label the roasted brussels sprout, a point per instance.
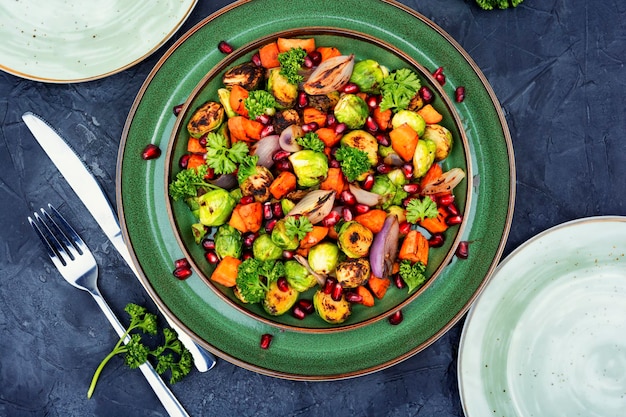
(281, 238)
(368, 75)
(391, 193)
(247, 75)
(199, 232)
(205, 119)
(286, 205)
(324, 102)
(353, 272)
(331, 311)
(228, 242)
(442, 138)
(424, 157)
(277, 301)
(351, 110)
(309, 166)
(364, 141)
(354, 239)
(298, 277)
(397, 177)
(416, 103)
(323, 257)
(283, 91)
(264, 249)
(283, 119)
(224, 95)
(399, 212)
(258, 184)
(411, 118)
(216, 207)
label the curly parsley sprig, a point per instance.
(297, 226)
(220, 157)
(412, 274)
(290, 64)
(311, 141)
(354, 162)
(398, 88)
(188, 182)
(260, 102)
(419, 209)
(254, 277)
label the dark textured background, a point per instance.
(557, 68)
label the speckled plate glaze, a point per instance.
(62, 41)
(546, 336)
(235, 336)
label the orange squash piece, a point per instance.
(237, 98)
(269, 55)
(286, 44)
(367, 299)
(225, 273)
(193, 146)
(414, 248)
(334, 181)
(328, 52)
(378, 286)
(430, 115)
(283, 184)
(404, 141)
(436, 224)
(313, 237)
(243, 129)
(247, 217)
(382, 118)
(311, 114)
(373, 219)
(328, 136)
(195, 160)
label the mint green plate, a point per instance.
(234, 335)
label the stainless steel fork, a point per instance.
(77, 265)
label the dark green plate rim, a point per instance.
(235, 336)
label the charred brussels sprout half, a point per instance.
(207, 118)
(442, 138)
(277, 301)
(323, 257)
(411, 118)
(331, 311)
(423, 157)
(228, 242)
(281, 238)
(283, 91)
(354, 239)
(258, 184)
(353, 272)
(363, 141)
(216, 207)
(264, 249)
(246, 75)
(309, 166)
(368, 75)
(298, 277)
(351, 110)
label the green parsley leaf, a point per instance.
(247, 167)
(260, 102)
(188, 182)
(290, 64)
(297, 226)
(412, 274)
(251, 286)
(418, 210)
(220, 157)
(311, 141)
(354, 162)
(398, 88)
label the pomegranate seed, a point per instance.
(247, 255)
(277, 209)
(177, 109)
(331, 120)
(382, 139)
(298, 313)
(267, 211)
(438, 71)
(151, 151)
(411, 188)
(224, 47)
(210, 174)
(368, 183)
(280, 155)
(182, 273)
(371, 125)
(361, 208)
(396, 318)
(266, 340)
(340, 128)
(398, 281)
(264, 119)
(407, 200)
(282, 284)
(441, 78)
(329, 284)
(283, 165)
(347, 214)
(372, 102)
(310, 127)
(287, 254)
(211, 257)
(306, 305)
(181, 263)
(436, 240)
(208, 244)
(452, 209)
(383, 169)
(350, 88)
(331, 219)
(353, 297)
(303, 99)
(445, 200)
(308, 62)
(270, 225)
(337, 292)
(454, 220)
(267, 130)
(184, 161)
(407, 170)
(462, 251)
(347, 197)
(334, 163)
(248, 239)
(247, 199)
(426, 94)
(405, 228)
(256, 60)
(459, 94)
(316, 57)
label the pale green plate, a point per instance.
(234, 335)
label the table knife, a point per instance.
(91, 194)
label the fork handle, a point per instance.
(165, 395)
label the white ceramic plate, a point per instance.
(547, 337)
(71, 41)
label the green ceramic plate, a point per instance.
(546, 336)
(235, 336)
(364, 47)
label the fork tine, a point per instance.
(67, 232)
(55, 249)
(45, 238)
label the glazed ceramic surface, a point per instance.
(71, 41)
(234, 335)
(546, 336)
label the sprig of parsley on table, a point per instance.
(172, 355)
(290, 64)
(412, 274)
(297, 226)
(500, 4)
(188, 182)
(398, 88)
(220, 157)
(353, 162)
(419, 209)
(311, 141)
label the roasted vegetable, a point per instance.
(285, 118)
(298, 277)
(228, 242)
(265, 249)
(315, 205)
(331, 311)
(410, 118)
(363, 141)
(258, 184)
(215, 207)
(282, 238)
(354, 239)
(323, 257)
(353, 272)
(424, 157)
(283, 91)
(368, 75)
(351, 110)
(442, 138)
(277, 301)
(205, 119)
(246, 75)
(330, 75)
(309, 166)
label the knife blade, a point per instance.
(92, 196)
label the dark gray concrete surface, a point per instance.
(557, 68)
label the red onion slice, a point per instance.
(265, 149)
(226, 181)
(365, 197)
(385, 248)
(287, 139)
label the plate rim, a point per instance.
(503, 235)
